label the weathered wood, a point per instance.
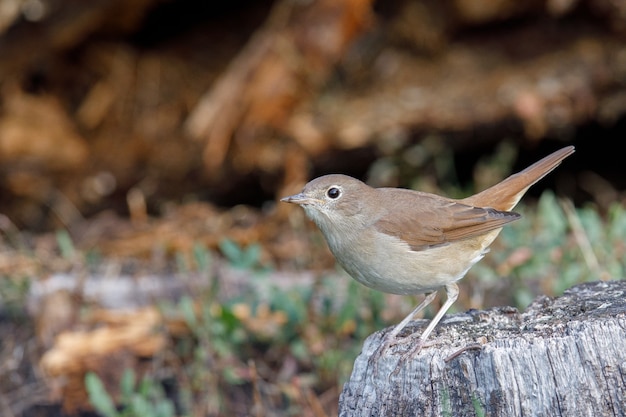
(561, 357)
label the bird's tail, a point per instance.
(506, 194)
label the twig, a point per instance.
(465, 348)
(582, 239)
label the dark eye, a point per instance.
(333, 192)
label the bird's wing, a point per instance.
(425, 220)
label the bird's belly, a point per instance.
(398, 270)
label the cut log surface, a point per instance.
(562, 357)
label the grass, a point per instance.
(550, 250)
(144, 399)
(287, 351)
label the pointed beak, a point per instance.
(298, 199)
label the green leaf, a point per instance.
(181, 263)
(251, 256)
(98, 396)
(65, 244)
(127, 384)
(228, 321)
(478, 407)
(140, 406)
(202, 257)
(231, 376)
(188, 310)
(552, 218)
(164, 408)
(617, 222)
(300, 350)
(592, 224)
(231, 251)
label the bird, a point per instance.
(402, 241)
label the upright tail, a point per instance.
(506, 194)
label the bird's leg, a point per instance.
(452, 293)
(390, 338)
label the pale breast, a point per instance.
(388, 264)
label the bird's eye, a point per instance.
(333, 192)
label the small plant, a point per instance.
(446, 408)
(145, 399)
(554, 247)
(13, 294)
(66, 246)
(244, 258)
(478, 407)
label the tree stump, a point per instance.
(561, 357)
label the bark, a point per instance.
(561, 357)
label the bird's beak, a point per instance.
(298, 199)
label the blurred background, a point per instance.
(146, 267)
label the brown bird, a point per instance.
(402, 241)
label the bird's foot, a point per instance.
(391, 340)
(417, 344)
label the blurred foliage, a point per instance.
(320, 332)
(131, 118)
(245, 258)
(145, 399)
(13, 292)
(555, 247)
(287, 350)
(297, 341)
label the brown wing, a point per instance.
(426, 220)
